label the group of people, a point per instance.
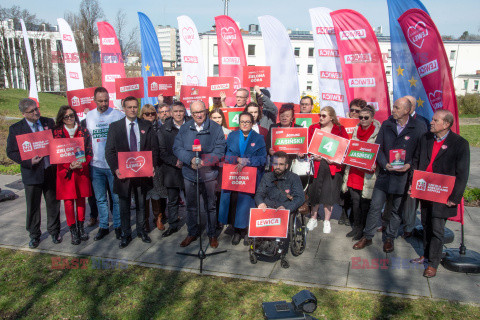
(369, 198)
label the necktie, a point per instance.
(133, 138)
(35, 127)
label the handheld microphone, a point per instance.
(197, 147)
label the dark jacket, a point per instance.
(270, 111)
(31, 174)
(423, 119)
(117, 142)
(213, 145)
(453, 159)
(274, 195)
(390, 181)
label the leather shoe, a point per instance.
(101, 234)
(92, 222)
(125, 241)
(145, 238)
(236, 238)
(364, 242)
(34, 243)
(214, 242)
(169, 232)
(388, 246)
(56, 238)
(188, 240)
(419, 260)
(430, 272)
(118, 233)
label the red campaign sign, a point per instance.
(232, 115)
(66, 150)
(135, 164)
(81, 99)
(361, 154)
(244, 181)
(161, 85)
(290, 140)
(328, 146)
(269, 224)
(307, 119)
(34, 144)
(256, 76)
(350, 124)
(216, 85)
(432, 186)
(189, 94)
(125, 87)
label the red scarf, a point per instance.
(355, 175)
(364, 135)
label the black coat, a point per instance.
(31, 174)
(117, 141)
(453, 159)
(273, 191)
(388, 139)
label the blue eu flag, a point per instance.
(151, 55)
(406, 80)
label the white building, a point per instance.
(169, 43)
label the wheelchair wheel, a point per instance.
(253, 257)
(298, 234)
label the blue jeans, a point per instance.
(100, 178)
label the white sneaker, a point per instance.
(312, 224)
(326, 227)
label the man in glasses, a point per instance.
(38, 176)
(306, 104)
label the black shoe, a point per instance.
(351, 233)
(56, 238)
(169, 232)
(101, 234)
(81, 231)
(145, 237)
(118, 233)
(236, 238)
(125, 242)
(246, 240)
(34, 243)
(74, 234)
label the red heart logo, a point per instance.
(135, 164)
(188, 35)
(417, 34)
(436, 100)
(228, 35)
(192, 80)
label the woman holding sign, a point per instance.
(245, 147)
(73, 179)
(327, 181)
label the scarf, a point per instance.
(363, 135)
(242, 142)
(71, 132)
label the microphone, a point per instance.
(197, 147)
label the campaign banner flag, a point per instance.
(349, 124)
(328, 146)
(193, 72)
(73, 69)
(189, 94)
(306, 119)
(216, 85)
(256, 76)
(290, 140)
(125, 87)
(164, 85)
(425, 42)
(272, 223)
(66, 150)
(362, 61)
(112, 61)
(329, 68)
(135, 164)
(81, 99)
(34, 144)
(32, 92)
(243, 181)
(231, 52)
(361, 154)
(279, 55)
(232, 115)
(406, 80)
(432, 186)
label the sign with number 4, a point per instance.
(328, 146)
(232, 115)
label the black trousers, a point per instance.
(433, 231)
(172, 216)
(360, 207)
(33, 195)
(124, 202)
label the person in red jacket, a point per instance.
(73, 179)
(327, 182)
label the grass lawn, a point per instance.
(49, 103)
(472, 134)
(32, 289)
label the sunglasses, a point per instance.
(323, 116)
(363, 118)
(69, 116)
(354, 110)
(150, 114)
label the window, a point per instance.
(388, 70)
(215, 69)
(389, 53)
(298, 69)
(465, 84)
(310, 69)
(251, 49)
(297, 52)
(452, 54)
(475, 85)
(310, 52)
(215, 50)
(309, 85)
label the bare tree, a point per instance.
(128, 40)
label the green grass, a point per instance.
(31, 289)
(472, 134)
(469, 115)
(49, 103)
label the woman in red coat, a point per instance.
(73, 179)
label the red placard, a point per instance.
(350, 124)
(216, 85)
(256, 76)
(290, 140)
(432, 186)
(306, 119)
(189, 94)
(361, 154)
(244, 181)
(161, 85)
(397, 158)
(269, 224)
(66, 150)
(34, 144)
(135, 164)
(328, 146)
(125, 87)
(232, 115)
(81, 99)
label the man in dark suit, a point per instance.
(38, 175)
(131, 134)
(445, 152)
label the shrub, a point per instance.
(469, 104)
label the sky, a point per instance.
(451, 17)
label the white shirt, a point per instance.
(199, 128)
(135, 129)
(40, 128)
(255, 128)
(178, 126)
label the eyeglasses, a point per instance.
(149, 114)
(69, 116)
(240, 97)
(32, 111)
(196, 113)
(163, 111)
(323, 116)
(363, 118)
(354, 110)
(245, 122)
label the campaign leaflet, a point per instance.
(290, 140)
(397, 158)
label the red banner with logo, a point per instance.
(269, 224)
(231, 52)
(425, 42)
(164, 85)
(216, 85)
(290, 140)
(243, 181)
(81, 99)
(328, 146)
(432, 186)
(135, 164)
(361, 154)
(350, 124)
(125, 87)
(189, 94)
(256, 76)
(306, 119)
(232, 115)
(67, 150)
(34, 144)
(362, 62)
